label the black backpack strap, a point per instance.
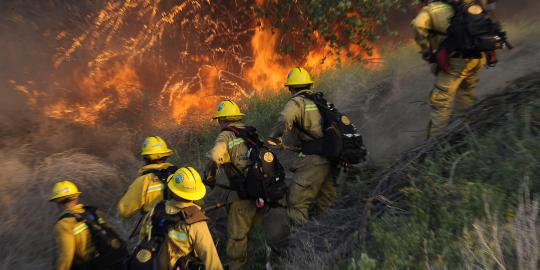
(162, 175)
(161, 221)
(249, 134)
(67, 215)
(83, 216)
(90, 213)
(320, 102)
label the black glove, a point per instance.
(210, 172)
(428, 56)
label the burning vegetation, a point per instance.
(172, 61)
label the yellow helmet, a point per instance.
(298, 77)
(228, 109)
(64, 189)
(186, 183)
(155, 148)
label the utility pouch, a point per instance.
(314, 147)
(145, 256)
(488, 43)
(330, 146)
(237, 183)
(189, 262)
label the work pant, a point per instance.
(243, 216)
(457, 86)
(313, 183)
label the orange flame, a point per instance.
(268, 70)
(114, 80)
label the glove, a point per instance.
(428, 56)
(275, 143)
(210, 171)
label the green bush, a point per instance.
(454, 200)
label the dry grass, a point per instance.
(513, 245)
(27, 216)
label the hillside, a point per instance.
(462, 200)
(465, 199)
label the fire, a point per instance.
(268, 70)
(175, 61)
(184, 102)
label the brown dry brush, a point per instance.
(27, 217)
(339, 234)
(484, 247)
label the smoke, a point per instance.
(81, 121)
(392, 108)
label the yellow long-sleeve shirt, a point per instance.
(184, 239)
(145, 191)
(232, 150)
(302, 112)
(431, 24)
(73, 239)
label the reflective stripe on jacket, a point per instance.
(145, 191)
(73, 239)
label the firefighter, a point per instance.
(456, 84)
(231, 153)
(149, 188)
(72, 237)
(314, 175)
(188, 242)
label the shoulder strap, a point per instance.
(249, 134)
(318, 99)
(241, 133)
(162, 174)
(193, 214)
(321, 104)
(159, 210)
(80, 217)
(66, 215)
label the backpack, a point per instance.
(110, 250)
(145, 255)
(473, 31)
(341, 141)
(162, 175)
(264, 178)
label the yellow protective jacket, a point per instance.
(73, 239)
(187, 239)
(431, 24)
(143, 193)
(230, 150)
(304, 113)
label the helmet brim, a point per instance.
(161, 154)
(299, 84)
(52, 199)
(217, 116)
(195, 196)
